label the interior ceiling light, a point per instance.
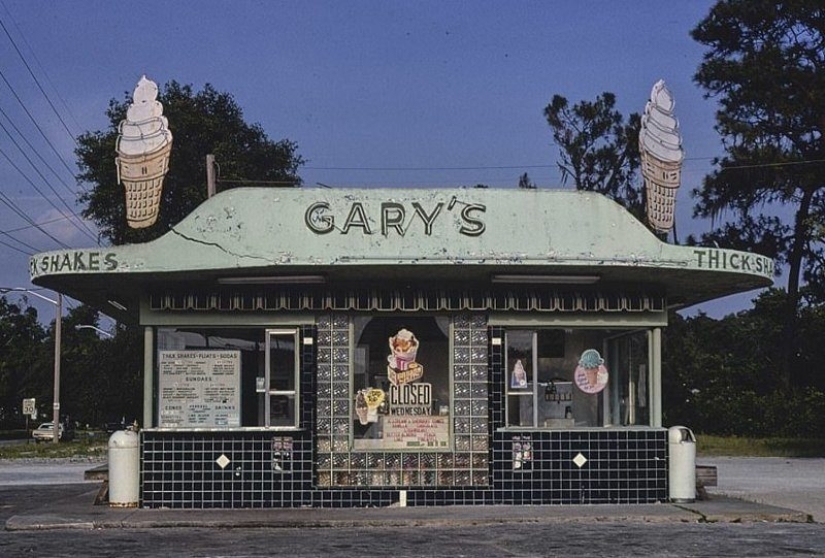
(547, 279)
(274, 280)
(117, 305)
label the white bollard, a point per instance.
(682, 465)
(124, 469)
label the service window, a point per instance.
(401, 383)
(565, 378)
(227, 377)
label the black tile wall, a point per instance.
(181, 470)
(266, 469)
(225, 469)
(580, 467)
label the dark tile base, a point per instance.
(183, 470)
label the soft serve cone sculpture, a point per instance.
(660, 147)
(143, 146)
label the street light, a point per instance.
(58, 322)
(97, 329)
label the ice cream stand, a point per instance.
(377, 347)
(360, 347)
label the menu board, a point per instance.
(416, 432)
(199, 389)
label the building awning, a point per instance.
(390, 238)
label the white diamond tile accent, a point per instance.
(222, 461)
(580, 460)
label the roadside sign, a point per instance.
(29, 407)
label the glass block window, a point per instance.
(460, 399)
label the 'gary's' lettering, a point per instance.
(394, 218)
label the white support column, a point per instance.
(656, 377)
(148, 376)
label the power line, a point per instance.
(533, 166)
(36, 125)
(22, 215)
(37, 81)
(85, 230)
(18, 229)
(766, 165)
(36, 152)
(242, 181)
(39, 191)
(479, 167)
(18, 249)
(29, 246)
(40, 65)
(8, 233)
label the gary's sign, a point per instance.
(394, 218)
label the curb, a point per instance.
(718, 510)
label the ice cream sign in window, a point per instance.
(401, 398)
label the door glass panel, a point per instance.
(629, 366)
(520, 374)
(282, 410)
(282, 362)
(282, 378)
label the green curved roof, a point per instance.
(403, 235)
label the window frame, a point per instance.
(294, 394)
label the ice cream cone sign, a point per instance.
(660, 149)
(144, 144)
(591, 373)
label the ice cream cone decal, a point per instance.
(518, 377)
(660, 147)
(144, 144)
(591, 374)
(367, 402)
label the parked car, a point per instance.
(112, 427)
(45, 432)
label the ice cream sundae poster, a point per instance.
(406, 408)
(591, 373)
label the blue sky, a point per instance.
(393, 94)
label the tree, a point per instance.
(525, 183)
(766, 66)
(599, 148)
(103, 375)
(23, 349)
(721, 374)
(202, 123)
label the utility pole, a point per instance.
(211, 186)
(56, 404)
(58, 323)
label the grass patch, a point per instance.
(86, 447)
(735, 446)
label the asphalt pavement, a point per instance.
(748, 491)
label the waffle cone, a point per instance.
(662, 179)
(142, 176)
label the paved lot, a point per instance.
(797, 484)
(607, 531)
(20, 472)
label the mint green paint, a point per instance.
(463, 234)
(266, 227)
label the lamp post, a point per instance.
(97, 329)
(58, 322)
